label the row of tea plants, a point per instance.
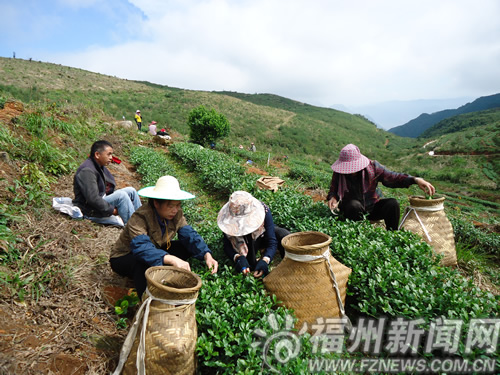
(394, 273)
(229, 307)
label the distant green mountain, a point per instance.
(462, 122)
(417, 126)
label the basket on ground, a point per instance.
(426, 217)
(309, 280)
(168, 333)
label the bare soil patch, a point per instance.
(71, 329)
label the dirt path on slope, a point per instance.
(72, 327)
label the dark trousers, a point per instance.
(129, 266)
(280, 234)
(385, 209)
(260, 243)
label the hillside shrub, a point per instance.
(229, 309)
(206, 126)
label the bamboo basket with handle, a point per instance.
(309, 280)
(162, 339)
(426, 217)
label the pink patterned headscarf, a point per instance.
(350, 160)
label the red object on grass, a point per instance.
(115, 160)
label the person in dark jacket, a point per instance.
(354, 192)
(147, 239)
(94, 188)
(248, 227)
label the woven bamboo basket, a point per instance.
(171, 330)
(307, 287)
(426, 217)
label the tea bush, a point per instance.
(467, 234)
(395, 274)
(150, 164)
(216, 170)
(311, 177)
(230, 306)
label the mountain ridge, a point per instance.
(414, 128)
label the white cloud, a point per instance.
(322, 52)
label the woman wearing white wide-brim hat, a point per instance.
(353, 189)
(146, 240)
(248, 227)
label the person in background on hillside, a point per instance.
(94, 188)
(152, 128)
(164, 134)
(138, 119)
(147, 239)
(354, 192)
(252, 147)
(248, 227)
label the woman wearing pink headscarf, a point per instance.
(354, 192)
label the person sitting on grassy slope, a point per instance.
(94, 188)
(248, 227)
(354, 192)
(146, 240)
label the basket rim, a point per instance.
(309, 247)
(423, 201)
(166, 288)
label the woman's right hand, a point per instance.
(172, 260)
(333, 204)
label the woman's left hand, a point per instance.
(261, 269)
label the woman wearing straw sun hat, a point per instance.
(248, 227)
(146, 240)
(354, 192)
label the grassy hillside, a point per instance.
(311, 136)
(56, 302)
(277, 125)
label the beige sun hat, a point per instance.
(167, 187)
(241, 215)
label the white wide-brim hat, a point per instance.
(241, 215)
(167, 187)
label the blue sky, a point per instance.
(323, 52)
